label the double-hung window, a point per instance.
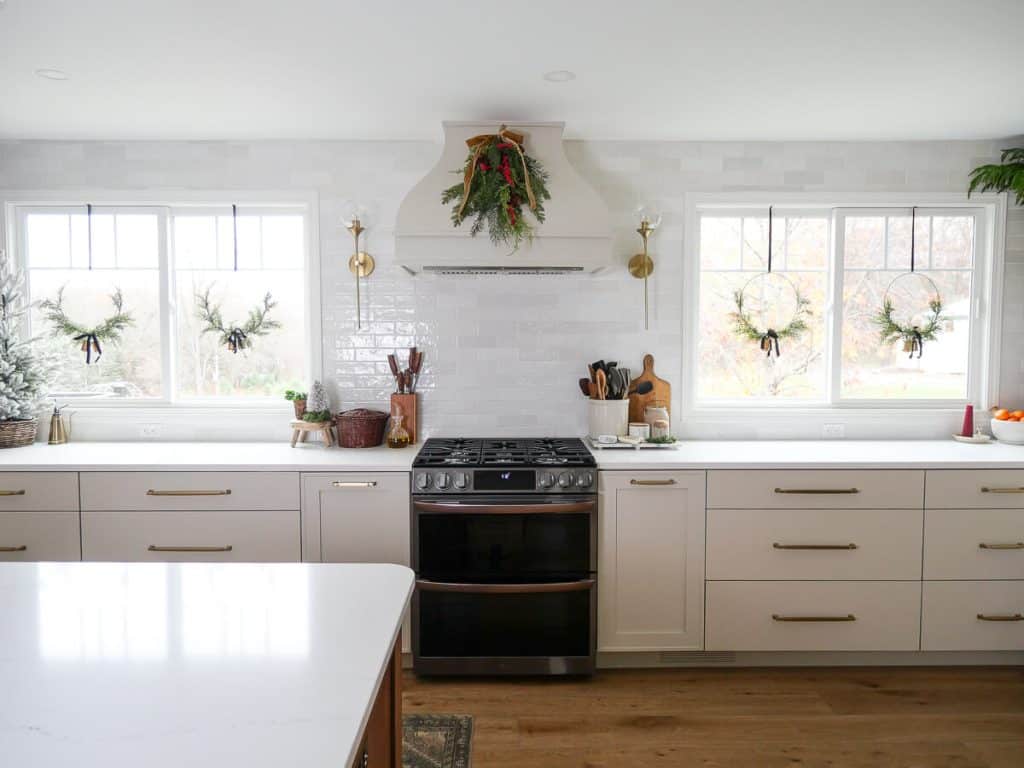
(187, 275)
(834, 269)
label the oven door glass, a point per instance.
(462, 620)
(494, 540)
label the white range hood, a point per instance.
(574, 239)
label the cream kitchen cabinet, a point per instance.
(39, 516)
(357, 517)
(651, 561)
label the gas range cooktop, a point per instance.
(495, 465)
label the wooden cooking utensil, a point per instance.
(660, 392)
(602, 385)
(585, 387)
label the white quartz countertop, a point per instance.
(696, 454)
(200, 665)
(816, 454)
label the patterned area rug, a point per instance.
(436, 741)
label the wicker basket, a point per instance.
(361, 428)
(17, 432)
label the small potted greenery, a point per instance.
(319, 406)
(298, 401)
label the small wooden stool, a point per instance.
(301, 429)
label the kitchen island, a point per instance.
(167, 665)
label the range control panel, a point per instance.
(454, 481)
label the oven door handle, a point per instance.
(463, 508)
(506, 589)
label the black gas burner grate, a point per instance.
(498, 452)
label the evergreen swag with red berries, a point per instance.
(497, 180)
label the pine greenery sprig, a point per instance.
(257, 324)
(1007, 176)
(109, 330)
(891, 331)
(24, 374)
(743, 324)
(493, 202)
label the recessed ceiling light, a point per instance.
(559, 76)
(53, 74)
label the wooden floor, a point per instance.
(880, 717)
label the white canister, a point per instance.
(608, 417)
(639, 429)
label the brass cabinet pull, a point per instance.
(985, 489)
(225, 492)
(780, 617)
(997, 545)
(1000, 617)
(818, 491)
(20, 492)
(354, 484)
(776, 545)
(669, 481)
(155, 548)
(19, 548)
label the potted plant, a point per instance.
(23, 373)
(298, 401)
(319, 409)
(1005, 176)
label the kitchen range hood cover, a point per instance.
(574, 239)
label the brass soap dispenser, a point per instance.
(59, 430)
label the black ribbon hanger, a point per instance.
(236, 340)
(770, 339)
(90, 343)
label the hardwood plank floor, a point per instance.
(967, 717)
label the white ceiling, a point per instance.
(384, 69)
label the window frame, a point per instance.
(986, 302)
(17, 205)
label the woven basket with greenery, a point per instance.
(18, 432)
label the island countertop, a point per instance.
(202, 665)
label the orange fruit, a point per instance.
(1017, 415)
(1013, 418)
(1001, 414)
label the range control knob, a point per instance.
(584, 479)
(461, 480)
(546, 480)
(423, 481)
(565, 480)
(442, 480)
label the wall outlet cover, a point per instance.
(833, 431)
(150, 430)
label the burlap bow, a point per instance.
(478, 144)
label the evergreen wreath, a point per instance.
(744, 327)
(236, 337)
(497, 179)
(912, 336)
(109, 330)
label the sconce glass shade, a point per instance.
(352, 210)
(649, 212)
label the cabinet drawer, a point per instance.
(974, 544)
(973, 616)
(34, 536)
(816, 489)
(814, 544)
(45, 491)
(253, 536)
(976, 488)
(131, 491)
(813, 615)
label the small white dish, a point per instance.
(979, 439)
(607, 439)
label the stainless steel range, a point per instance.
(504, 547)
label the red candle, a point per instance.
(968, 428)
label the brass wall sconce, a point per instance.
(361, 265)
(641, 265)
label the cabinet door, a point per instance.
(651, 561)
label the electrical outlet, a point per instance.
(150, 430)
(833, 431)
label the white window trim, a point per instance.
(870, 418)
(12, 202)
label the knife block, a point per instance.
(408, 405)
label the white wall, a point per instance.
(503, 354)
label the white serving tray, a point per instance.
(620, 445)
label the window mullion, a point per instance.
(834, 341)
(166, 307)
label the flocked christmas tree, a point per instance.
(23, 373)
(318, 407)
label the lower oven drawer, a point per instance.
(509, 621)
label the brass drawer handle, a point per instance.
(818, 491)
(985, 489)
(20, 492)
(1000, 617)
(776, 545)
(997, 545)
(354, 484)
(155, 548)
(225, 492)
(670, 481)
(780, 617)
(19, 548)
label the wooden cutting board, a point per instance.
(660, 394)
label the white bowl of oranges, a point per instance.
(1008, 425)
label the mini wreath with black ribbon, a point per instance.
(236, 337)
(107, 332)
(768, 338)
